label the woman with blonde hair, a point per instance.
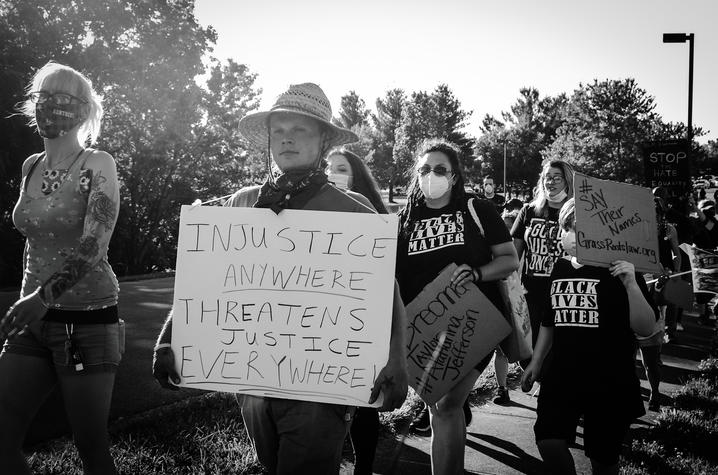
(64, 330)
(536, 235)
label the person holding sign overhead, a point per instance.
(536, 234)
(295, 436)
(64, 330)
(591, 314)
(437, 228)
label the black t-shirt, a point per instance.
(498, 201)
(441, 236)
(541, 235)
(593, 344)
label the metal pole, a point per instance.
(690, 88)
(506, 196)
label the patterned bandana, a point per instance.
(292, 190)
(54, 120)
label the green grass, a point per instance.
(205, 434)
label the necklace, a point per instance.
(64, 159)
(53, 178)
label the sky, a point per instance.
(484, 50)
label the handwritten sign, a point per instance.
(296, 305)
(472, 326)
(667, 164)
(615, 221)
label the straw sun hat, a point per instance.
(305, 99)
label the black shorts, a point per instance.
(604, 429)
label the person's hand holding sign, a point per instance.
(163, 359)
(465, 274)
(393, 382)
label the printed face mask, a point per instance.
(340, 180)
(434, 186)
(55, 120)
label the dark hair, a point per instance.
(415, 198)
(362, 180)
(513, 204)
(488, 177)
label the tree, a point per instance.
(528, 128)
(386, 122)
(352, 111)
(172, 139)
(606, 123)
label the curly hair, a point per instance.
(362, 180)
(415, 198)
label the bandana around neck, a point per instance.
(292, 190)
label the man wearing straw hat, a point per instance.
(292, 436)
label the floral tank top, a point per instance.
(53, 225)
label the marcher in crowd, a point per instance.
(650, 345)
(491, 195)
(501, 362)
(348, 172)
(437, 205)
(592, 373)
(536, 235)
(292, 436)
(64, 330)
(706, 238)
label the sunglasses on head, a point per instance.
(59, 98)
(439, 170)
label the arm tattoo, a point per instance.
(69, 275)
(101, 207)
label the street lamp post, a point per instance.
(506, 196)
(682, 38)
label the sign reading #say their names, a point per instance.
(296, 305)
(451, 328)
(615, 221)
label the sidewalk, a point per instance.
(500, 440)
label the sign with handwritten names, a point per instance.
(451, 329)
(295, 306)
(615, 221)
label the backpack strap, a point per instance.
(472, 210)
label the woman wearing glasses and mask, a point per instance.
(436, 229)
(536, 234)
(64, 330)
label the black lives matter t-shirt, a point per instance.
(593, 344)
(441, 236)
(541, 235)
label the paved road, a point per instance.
(143, 305)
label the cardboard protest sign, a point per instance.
(615, 221)
(296, 305)
(667, 164)
(470, 324)
(705, 268)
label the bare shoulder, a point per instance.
(99, 159)
(28, 163)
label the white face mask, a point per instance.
(340, 180)
(558, 197)
(434, 186)
(489, 190)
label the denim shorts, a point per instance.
(100, 345)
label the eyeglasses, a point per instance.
(59, 98)
(439, 170)
(553, 179)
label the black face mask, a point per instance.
(54, 120)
